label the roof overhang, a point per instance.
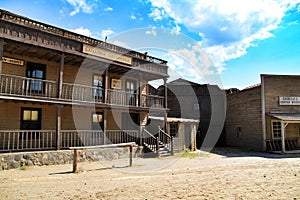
(292, 117)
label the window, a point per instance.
(196, 106)
(131, 92)
(97, 121)
(98, 85)
(276, 129)
(174, 129)
(239, 132)
(30, 119)
(36, 72)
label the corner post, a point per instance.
(166, 104)
(104, 125)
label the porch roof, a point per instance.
(174, 119)
(295, 117)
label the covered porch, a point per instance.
(287, 128)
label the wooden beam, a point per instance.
(282, 137)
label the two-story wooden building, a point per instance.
(60, 89)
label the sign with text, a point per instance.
(12, 61)
(106, 54)
(288, 101)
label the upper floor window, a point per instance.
(36, 72)
(98, 86)
(131, 91)
(276, 129)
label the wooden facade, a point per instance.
(60, 89)
(200, 102)
(265, 117)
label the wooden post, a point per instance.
(75, 161)
(104, 126)
(140, 91)
(130, 155)
(105, 84)
(58, 127)
(172, 145)
(166, 105)
(2, 43)
(282, 137)
(61, 75)
(157, 146)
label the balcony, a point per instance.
(32, 88)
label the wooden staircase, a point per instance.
(158, 145)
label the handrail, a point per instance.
(149, 134)
(161, 130)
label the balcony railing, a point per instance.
(17, 85)
(38, 88)
(82, 93)
(26, 140)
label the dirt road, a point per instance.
(205, 176)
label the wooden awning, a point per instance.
(288, 117)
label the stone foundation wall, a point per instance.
(39, 158)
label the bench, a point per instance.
(75, 159)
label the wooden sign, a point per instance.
(289, 101)
(106, 54)
(12, 61)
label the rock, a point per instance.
(27, 156)
(17, 157)
(28, 163)
(13, 165)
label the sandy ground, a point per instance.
(208, 176)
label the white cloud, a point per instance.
(85, 6)
(228, 27)
(152, 31)
(106, 33)
(108, 9)
(82, 31)
(133, 17)
(157, 14)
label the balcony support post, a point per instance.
(104, 126)
(141, 129)
(58, 127)
(140, 90)
(60, 76)
(105, 84)
(166, 104)
(2, 43)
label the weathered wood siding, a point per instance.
(244, 124)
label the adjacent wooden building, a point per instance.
(60, 89)
(265, 117)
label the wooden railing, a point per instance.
(166, 140)
(290, 144)
(121, 136)
(76, 138)
(31, 87)
(119, 97)
(17, 85)
(82, 93)
(150, 141)
(152, 101)
(25, 140)
(17, 140)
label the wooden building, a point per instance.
(202, 102)
(265, 117)
(60, 89)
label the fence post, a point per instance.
(157, 146)
(172, 145)
(75, 160)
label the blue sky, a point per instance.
(240, 39)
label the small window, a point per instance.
(196, 106)
(98, 85)
(97, 121)
(31, 119)
(276, 129)
(174, 129)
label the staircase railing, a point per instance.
(150, 141)
(166, 140)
